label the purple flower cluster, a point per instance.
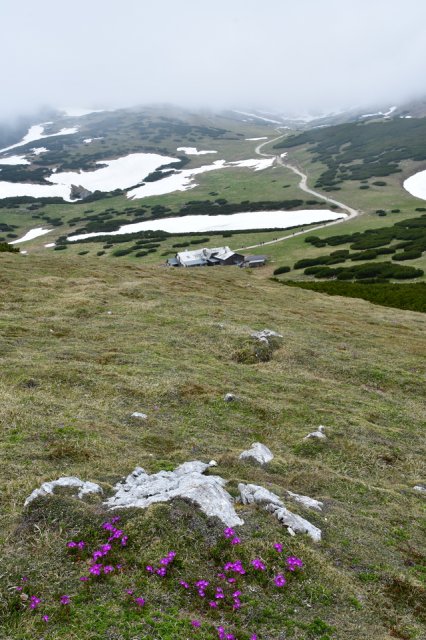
(258, 564)
(294, 563)
(229, 533)
(161, 570)
(116, 536)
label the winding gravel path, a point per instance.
(351, 213)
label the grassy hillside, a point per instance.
(85, 344)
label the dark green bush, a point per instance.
(402, 296)
(407, 255)
(100, 253)
(283, 269)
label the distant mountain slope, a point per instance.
(358, 151)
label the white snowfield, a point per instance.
(33, 233)
(262, 138)
(36, 132)
(38, 150)
(123, 173)
(416, 185)
(117, 174)
(13, 160)
(233, 222)
(192, 151)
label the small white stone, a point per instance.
(109, 313)
(420, 487)
(212, 463)
(318, 434)
(257, 452)
(141, 416)
(265, 335)
(229, 397)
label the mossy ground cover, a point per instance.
(72, 375)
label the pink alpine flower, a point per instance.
(280, 580)
(65, 600)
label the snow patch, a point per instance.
(117, 174)
(192, 151)
(33, 233)
(236, 221)
(38, 150)
(36, 132)
(258, 164)
(262, 138)
(13, 160)
(416, 185)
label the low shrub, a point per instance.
(283, 269)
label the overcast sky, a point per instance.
(291, 55)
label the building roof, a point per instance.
(254, 258)
(201, 256)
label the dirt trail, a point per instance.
(351, 213)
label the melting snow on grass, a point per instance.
(416, 185)
(192, 151)
(184, 180)
(33, 233)
(234, 222)
(258, 164)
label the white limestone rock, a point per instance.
(141, 490)
(255, 494)
(294, 522)
(420, 487)
(47, 488)
(318, 434)
(306, 501)
(257, 452)
(141, 416)
(265, 335)
(229, 397)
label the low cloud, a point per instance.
(310, 56)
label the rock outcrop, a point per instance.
(141, 489)
(255, 494)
